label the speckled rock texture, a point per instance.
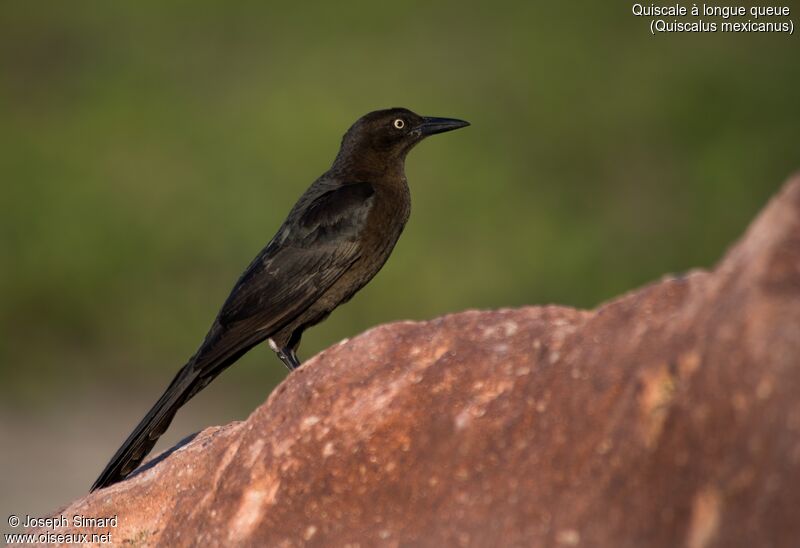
(667, 417)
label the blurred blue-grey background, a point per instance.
(149, 150)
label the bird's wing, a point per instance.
(314, 248)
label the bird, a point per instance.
(335, 239)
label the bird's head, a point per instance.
(384, 137)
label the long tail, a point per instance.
(217, 352)
(185, 384)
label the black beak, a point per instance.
(432, 126)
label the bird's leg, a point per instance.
(286, 354)
(289, 358)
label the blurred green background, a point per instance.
(149, 150)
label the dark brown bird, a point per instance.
(336, 238)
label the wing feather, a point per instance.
(317, 244)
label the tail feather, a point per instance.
(209, 361)
(151, 427)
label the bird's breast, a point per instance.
(387, 218)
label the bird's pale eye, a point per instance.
(399, 123)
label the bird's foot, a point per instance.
(289, 358)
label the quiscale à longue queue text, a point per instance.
(726, 12)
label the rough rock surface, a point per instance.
(667, 417)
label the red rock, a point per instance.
(667, 417)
